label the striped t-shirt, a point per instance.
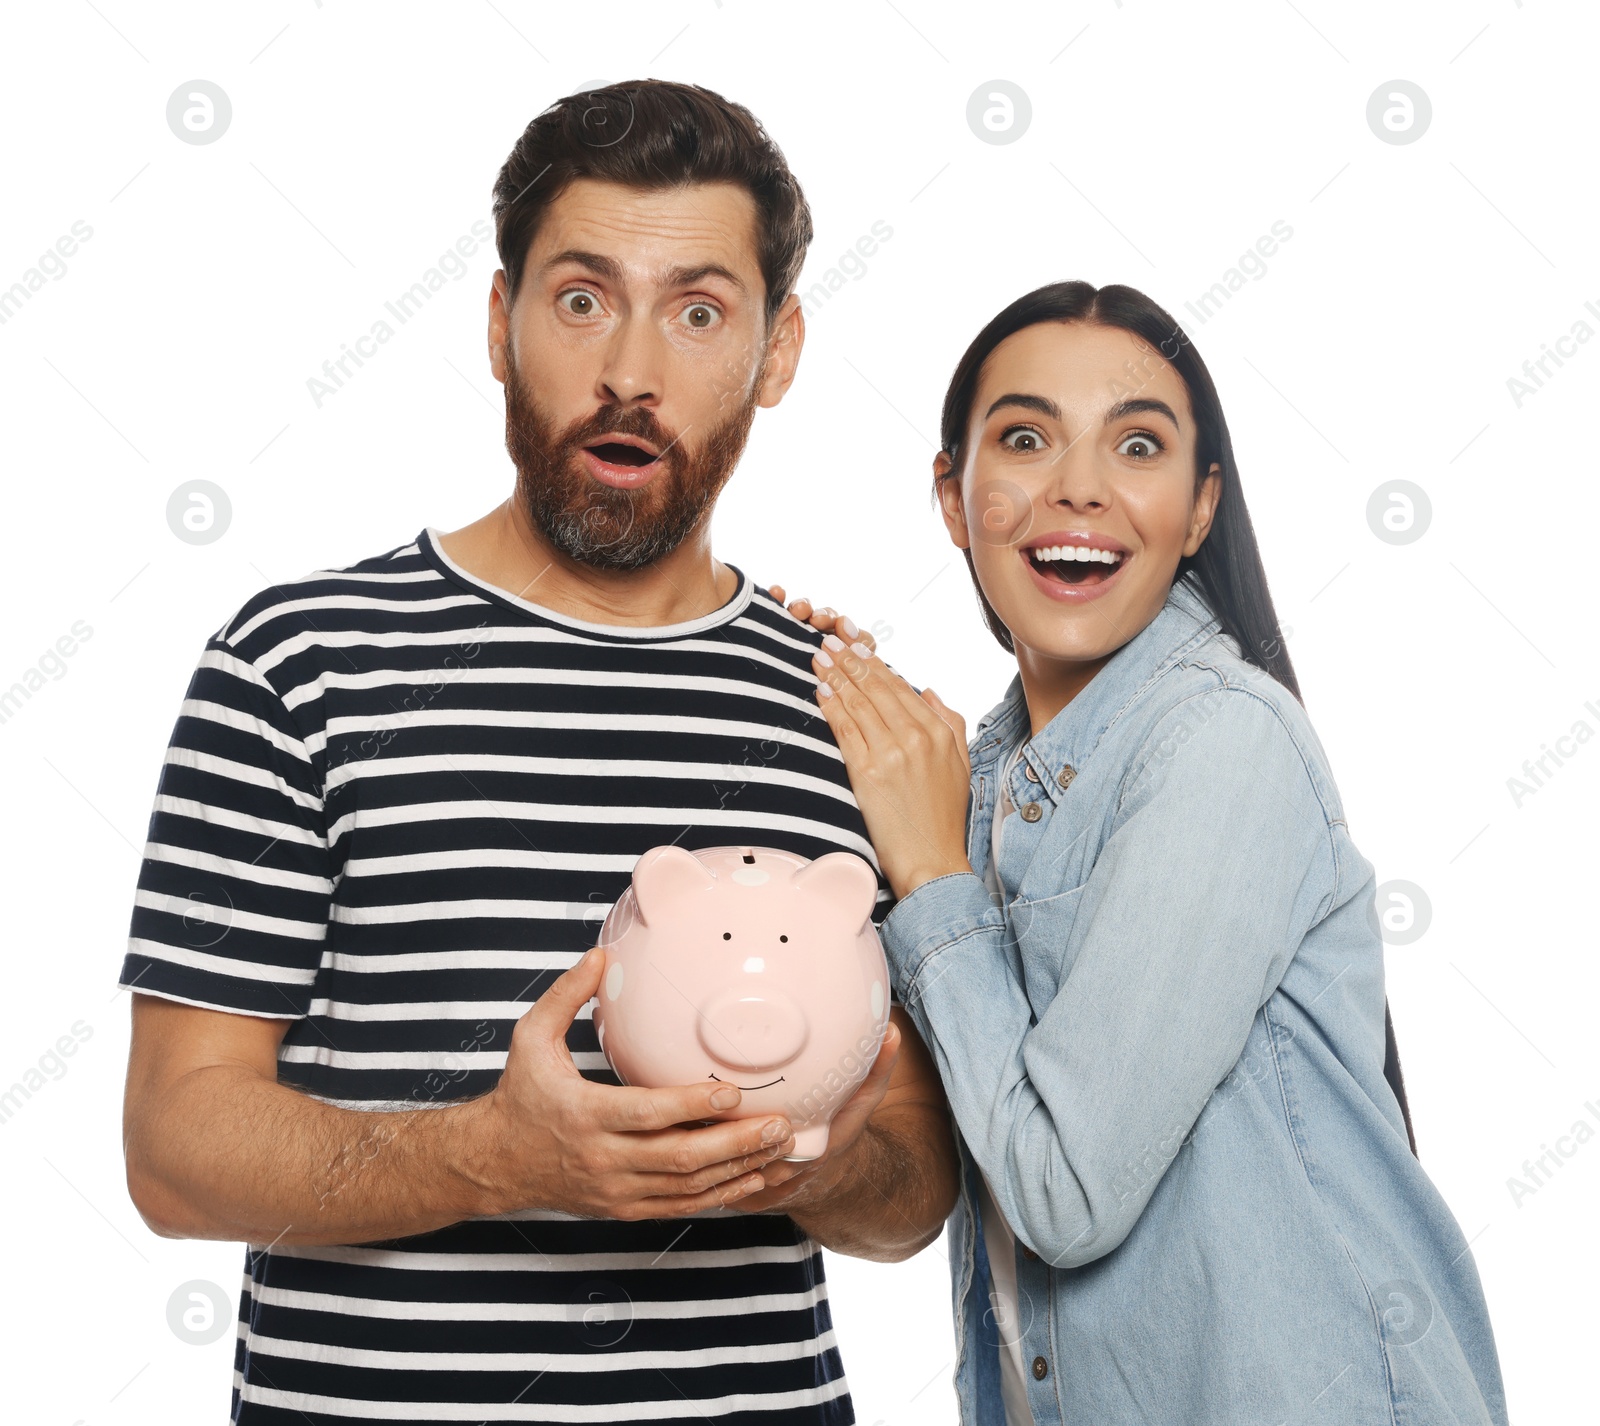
(398, 802)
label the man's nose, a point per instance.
(630, 372)
(752, 1030)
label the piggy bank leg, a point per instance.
(809, 1143)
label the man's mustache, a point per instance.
(616, 420)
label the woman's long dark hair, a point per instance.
(1227, 567)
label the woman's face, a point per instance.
(1077, 496)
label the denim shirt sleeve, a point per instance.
(1219, 859)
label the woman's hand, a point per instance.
(824, 620)
(907, 758)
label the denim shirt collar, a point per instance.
(1065, 743)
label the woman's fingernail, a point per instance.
(725, 1099)
(823, 691)
(830, 642)
(847, 626)
(826, 610)
(822, 658)
(861, 651)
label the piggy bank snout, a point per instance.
(752, 1029)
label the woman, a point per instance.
(1135, 933)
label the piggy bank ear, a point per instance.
(841, 880)
(664, 876)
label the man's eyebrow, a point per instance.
(597, 263)
(689, 276)
(1042, 404)
(610, 269)
(1133, 406)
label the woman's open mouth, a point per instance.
(1072, 566)
(623, 461)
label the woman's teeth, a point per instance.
(1082, 553)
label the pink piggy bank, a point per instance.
(749, 965)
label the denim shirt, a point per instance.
(1164, 1050)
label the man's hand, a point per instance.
(888, 1179)
(792, 1186)
(557, 1140)
(218, 1148)
(824, 620)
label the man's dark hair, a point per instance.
(651, 133)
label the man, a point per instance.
(400, 798)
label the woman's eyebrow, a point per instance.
(1042, 404)
(1144, 403)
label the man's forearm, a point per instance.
(893, 1190)
(235, 1156)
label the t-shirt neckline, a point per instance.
(433, 552)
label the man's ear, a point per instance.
(1205, 509)
(784, 341)
(499, 325)
(950, 504)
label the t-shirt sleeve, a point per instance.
(880, 913)
(232, 904)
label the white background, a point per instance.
(1165, 139)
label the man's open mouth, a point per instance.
(621, 453)
(622, 461)
(1076, 564)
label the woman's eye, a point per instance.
(1022, 439)
(579, 302)
(701, 315)
(1140, 445)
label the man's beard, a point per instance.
(601, 525)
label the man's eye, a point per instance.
(701, 315)
(579, 302)
(1022, 439)
(1140, 445)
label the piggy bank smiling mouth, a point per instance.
(747, 1087)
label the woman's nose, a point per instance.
(1078, 495)
(750, 1030)
(1078, 481)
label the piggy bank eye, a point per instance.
(783, 938)
(727, 935)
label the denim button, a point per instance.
(1065, 776)
(1029, 773)
(1041, 1369)
(1028, 1253)
(1032, 812)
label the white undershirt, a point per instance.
(997, 1235)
